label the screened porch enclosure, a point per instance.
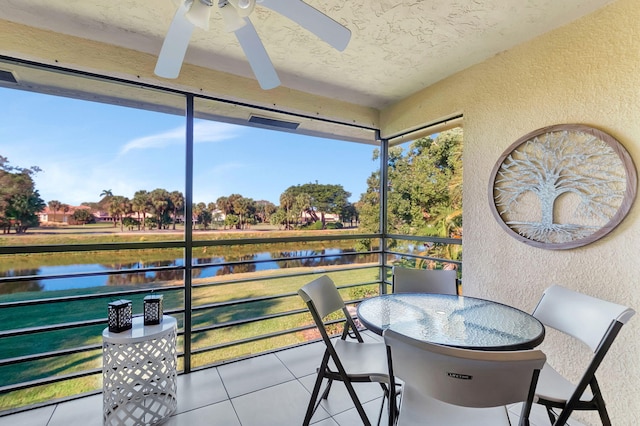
(231, 284)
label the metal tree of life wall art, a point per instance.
(562, 186)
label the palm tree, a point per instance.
(106, 195)
(65, 209)
(286, 202)
(177, 202)
(118, 207)
(140, 204)
(302, 204)
(197, 210)
(242, 207)
(446, 223)
(159, 200)
(55, 205)
(223, 204)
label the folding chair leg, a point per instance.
(325, 394)
(315, 401)
(385, 395)
(524, 422)
(381, 410)
(524, 415)
(311, 408)
(563, 417)
(552, 415)
(604, 416)
(599, 400)
(356, 402)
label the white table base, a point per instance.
(139, 376)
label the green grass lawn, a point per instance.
(77, 311)
(106, 233)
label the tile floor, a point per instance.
(268, 390)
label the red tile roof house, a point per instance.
(48, 216)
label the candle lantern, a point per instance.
(119, 316)
(152, 309)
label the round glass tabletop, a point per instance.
(460, 321)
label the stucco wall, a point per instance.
(587, 72)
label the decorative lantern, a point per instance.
(152, 309)
(119, 316)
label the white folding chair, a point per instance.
(454, 387)
(407, 280)
(344, 360)
(596, 323)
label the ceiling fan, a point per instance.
(235, 15)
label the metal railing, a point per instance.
(283, 323)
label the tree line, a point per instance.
(20, 202)
(424, 198)
(161, 209)
(424, 193)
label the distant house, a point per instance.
(328, 217)
(102, 216)
(217, 215)
(48, 216)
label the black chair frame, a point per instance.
(349, 330)
(588, 379)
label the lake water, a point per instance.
(256, 262)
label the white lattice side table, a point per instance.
(139, 373)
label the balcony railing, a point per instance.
(227, 308)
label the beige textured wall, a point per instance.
(587, 72)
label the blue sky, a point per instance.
(84, 148)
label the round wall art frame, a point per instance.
(562, 186)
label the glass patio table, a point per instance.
(460, 321)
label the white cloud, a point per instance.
(203, 131)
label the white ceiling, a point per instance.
(397, 48)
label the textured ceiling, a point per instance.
(398, 47)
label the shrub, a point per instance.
(150, 223)
(130, 223)
(314, 226)
(362, 292)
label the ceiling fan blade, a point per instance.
(175, 45)
(232, 21)
(313, 20)
(257, 55)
